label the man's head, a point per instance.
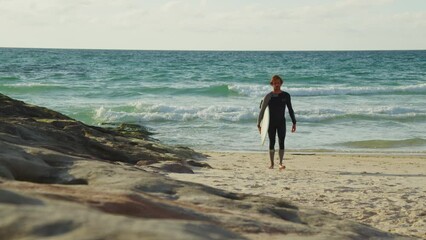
(276, 80)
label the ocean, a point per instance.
(209, 100)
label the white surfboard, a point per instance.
(264, 126)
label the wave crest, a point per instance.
(161, 112)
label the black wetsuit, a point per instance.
(277, 104)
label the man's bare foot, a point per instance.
(282, 167)
(271, 167)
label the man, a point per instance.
(277, 100)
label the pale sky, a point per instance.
(214, 24)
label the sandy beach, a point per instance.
(386, 191)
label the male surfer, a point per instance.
(277, 100)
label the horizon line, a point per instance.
(214, 50)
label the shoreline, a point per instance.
(383, 190)
(322, 151)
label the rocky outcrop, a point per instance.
(62, 179)
(38, 144)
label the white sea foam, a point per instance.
(33, 84)
(161, 112)
(344, 90)
(149, 112)
(261, 90)
(368, 113)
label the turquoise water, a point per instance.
(348, 101)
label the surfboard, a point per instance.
(264, 126)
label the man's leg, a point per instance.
(281, 139)
(272, 133)
(281, 155)
(271, 157)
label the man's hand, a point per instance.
(293, 129)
